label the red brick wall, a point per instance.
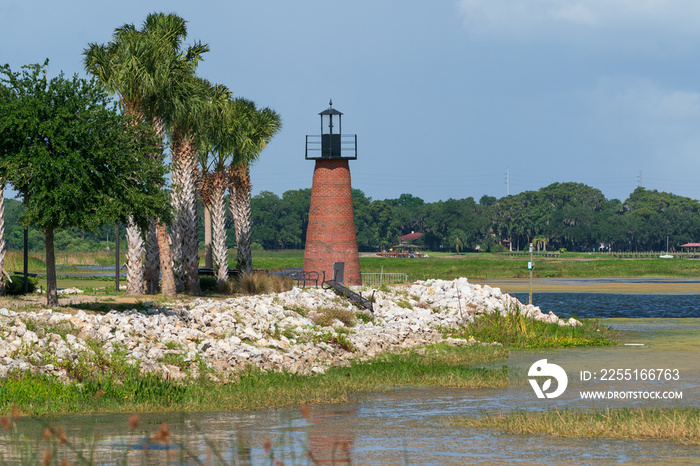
(331, 236)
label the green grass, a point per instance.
(678, 424)
(514, 330)
(107, 383)
(480, 266)
(488, 266)
(483, 266)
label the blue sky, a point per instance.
(445, 96)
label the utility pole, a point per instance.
(640, 178)
(507, 181)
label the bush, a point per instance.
(261, 282)
(207, 283)
(17, 285)
(281, 283)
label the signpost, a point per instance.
(530, 266)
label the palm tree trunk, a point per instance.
(2, 238)
(152, 262)
(51, 288)
(134, 262)
(190, 251)
(219, 226)
(208, 262)
(169, 288)
(176, 237)
(189, 239)
(240, 208)
(205, 193)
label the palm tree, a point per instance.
(118, 66)
(195, 102)
(539, 242)
(213, 156)
(137, 66)
(254, 129)
(221, 131)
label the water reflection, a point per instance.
(399, 427)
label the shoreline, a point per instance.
(598, 285)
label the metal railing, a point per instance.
(347, 147)
(383, 278)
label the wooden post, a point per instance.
(26, 260)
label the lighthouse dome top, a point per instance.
(330, 110)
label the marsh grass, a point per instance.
(678, 424)
(260, 282)
(514, 329)
(14, 260)
(337, 338)
(107, 382)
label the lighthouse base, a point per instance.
(331, 235)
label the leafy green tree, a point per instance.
(296, 219)
(76, 161)
(454, 239)
(409, 213)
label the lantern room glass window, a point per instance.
(330, 123)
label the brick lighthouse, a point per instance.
(331, 237)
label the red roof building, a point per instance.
(409, 237)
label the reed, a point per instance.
(513, 329)
(678, 424)
(260, 282)
(14, 260)
(31, 440)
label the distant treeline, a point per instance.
(569, 216)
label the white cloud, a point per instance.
(539, 18)
(643, 100)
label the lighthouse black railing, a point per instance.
(336, 146)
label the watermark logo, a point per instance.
(542, 368)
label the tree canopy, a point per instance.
(76, 161)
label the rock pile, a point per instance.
(300, 331)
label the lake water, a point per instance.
(612, 305)
(409, 426)
(403, 426)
